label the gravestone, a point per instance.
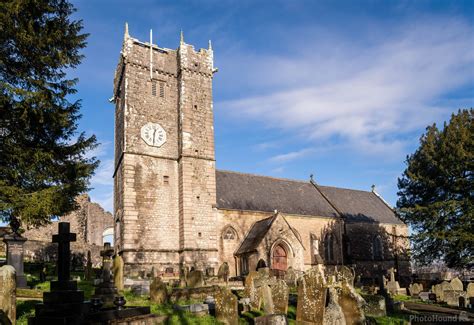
(424, 296)
(195, 279)
(444, 287)
(223, 272)
(106, 290)
(158, 291)
(393, 287)
(262, 284)
(457, 284)
(88, 272)
(226, 307)
(117, 270)
(311, 297)
(183, 274)
(333, 314)
(470, 290)
(251, 292)
(290, 277)
(8, 293)
(15, 253)
(453, 297)
(415, 289)
(351, 303)
(280, 292)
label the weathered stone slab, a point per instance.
(453, 297)
(346, 275)
(424, 296)
(311, 297)
(158, 291)
(470, 290)
(415, 289)
(223, 272)
(456, 284)
(375, 306)
(352, 305)
(8, 292)
(195, 279)
(226, 307)
(333, 314)
(251, 292)
(280, 292)
(117, 270)
(271, 320)
(291, 277)
(443, 287)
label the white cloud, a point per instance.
(104, 173)
(286, 157)
(368, 97)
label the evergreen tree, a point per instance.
(436, 193)
(43, 162)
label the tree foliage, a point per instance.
(43, 161)
(436, 193)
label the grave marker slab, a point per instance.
(280, 292)
(226, 307)
(311, 297)
(8, 292)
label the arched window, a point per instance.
(377, 248)
(328, 248)
(108, 236)
(229, 234)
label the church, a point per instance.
(174, 209)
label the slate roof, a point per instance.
(238, 191)
(255, 235)
(260, 193)
(360, 206)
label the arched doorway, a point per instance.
(279, 258)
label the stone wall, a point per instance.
(88, 222)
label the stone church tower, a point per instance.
(164, 177)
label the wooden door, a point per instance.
(280, 258)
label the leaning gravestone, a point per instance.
(457, 284)
(195, 279)
(226, 307)
(251, 292)
(333, 315)
(158, 291)
(352, 304)
(280, 292)
(346, 275)
(8, 293)
(117, 270)
(311, 297)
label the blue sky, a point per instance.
(341, 90)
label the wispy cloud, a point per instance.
(289, 156)
(366, 96)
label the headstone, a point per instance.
(452, 297)
(8, 292)
(352, 304)
(250, 291)
(346, 275)
(226, 307)
(106, 290)
(415, 289)
(196, 309)
(290, 277)
(376, 306)
(89, 272)
(280, 292)
(333, 314)
(424, 296)
(223, 273)
(262, 284)
(443, 287)
(457, 284)
(470, 290)
(15, 253)
(311, 297)
(158, 291)
(271, 320)
(117, 270)
(183, 274)
(195, 279)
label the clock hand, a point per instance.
(154, 138)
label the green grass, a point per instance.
(25, 309)
(392, 319)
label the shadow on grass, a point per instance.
(25, 309)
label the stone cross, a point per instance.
(64, 238)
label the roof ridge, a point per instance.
(344, 188)
(265, 176)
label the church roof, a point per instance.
(255, 235)
(260, 193)
(360, 206)
(239, 191)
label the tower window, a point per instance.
(166, 180)
(162, 89)
(153, 88)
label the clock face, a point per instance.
(153, 134)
